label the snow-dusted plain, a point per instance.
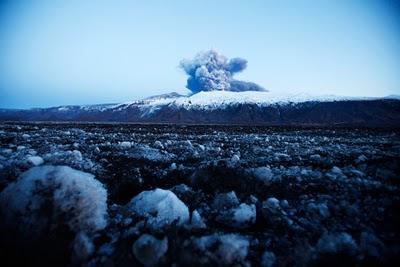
(175, 195)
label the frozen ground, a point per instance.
(198, 195)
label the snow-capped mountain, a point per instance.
(224, 99)
(229, 107)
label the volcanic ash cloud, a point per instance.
(211, 71)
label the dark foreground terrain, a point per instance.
(213, 195)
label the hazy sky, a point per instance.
(85, 52)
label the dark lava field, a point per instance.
(176, 195)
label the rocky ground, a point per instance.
(198, 195)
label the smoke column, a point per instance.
(211, 71)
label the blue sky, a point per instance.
(85, 52)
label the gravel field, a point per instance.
(176, 195)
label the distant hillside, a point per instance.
(220, 107)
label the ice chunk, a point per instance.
(315, 157)
(158, 144)
(35, 160)
(71, 158)
(160, 207)
(82, 247)
(263, 174)
(71, 191)
(46, 199)
(319, 209)
(149, 250)
(268, 259)
(243, 216)
(335, 173)
(371, 245)
(273, 212)
(173, 166)
(197, 222)
(226, 250)
(336, 170)
(272, 203)
(235, 158)
(125, 145)
(336, 243)
(361, 159)
(152, 154)
(225, 201)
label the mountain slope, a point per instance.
(219, 107)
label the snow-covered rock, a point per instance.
(160, 207)
(149, 250)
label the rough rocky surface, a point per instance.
(255, 196)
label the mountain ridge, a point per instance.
(222, 107)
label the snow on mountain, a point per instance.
(69, 108)
(217, 100)
(222, 99)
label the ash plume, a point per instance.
(211, 71)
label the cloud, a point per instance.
(211, 71)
